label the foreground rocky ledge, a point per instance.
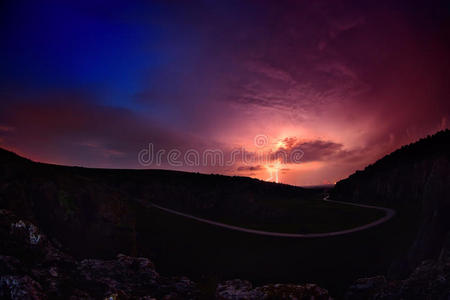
(242, 289)
(34, 267)
(430, 280)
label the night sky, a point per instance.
(92, 83)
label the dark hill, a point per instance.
(415, 177)
(100, 212)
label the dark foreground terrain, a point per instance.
(34, 267)
(63, 228)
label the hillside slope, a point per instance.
(415, 177)
(98, 211)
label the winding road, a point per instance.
(389, 214)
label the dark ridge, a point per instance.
(431, 146)
(415, 180)
(8, 156)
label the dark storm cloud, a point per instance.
(249, 168)
(72, 129)
(315, 151)
(301, 57)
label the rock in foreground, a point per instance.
(241, 289)
(33, 267)
(430, 280)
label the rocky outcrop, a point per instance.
(430, 280)
(33, 267)
(237, 289)
(243, 290)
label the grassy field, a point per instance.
(308, 216)
(180, 246)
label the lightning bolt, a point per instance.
(271, 175)
(273, 172)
